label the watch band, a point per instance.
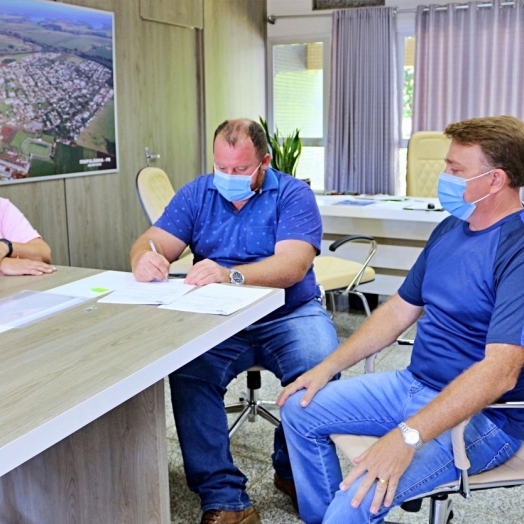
(9, 244)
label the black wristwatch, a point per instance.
(236, 277)
(9, 244)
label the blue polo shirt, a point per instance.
(470, 284)
(284, 209)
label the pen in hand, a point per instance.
(153, 248)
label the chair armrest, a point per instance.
(351, 238)
(372, 250)
(460, 457)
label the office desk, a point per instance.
(82, 420)
(401, 234)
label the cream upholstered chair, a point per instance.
(339, 276)
(155, 192)
(509, 474)
(426, 153)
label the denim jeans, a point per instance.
(374, 405)
(288, 347)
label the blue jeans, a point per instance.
(374, 405)
(288, 347)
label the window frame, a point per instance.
(326, 58)
(402, 34)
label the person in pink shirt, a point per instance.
(22, 249)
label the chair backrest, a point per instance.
(426, 153)
(154, 191)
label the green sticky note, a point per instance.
(99, 289)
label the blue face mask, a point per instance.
(451, 191)
(234, 188)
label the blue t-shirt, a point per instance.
(471, 285)
(284, 209)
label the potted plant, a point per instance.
(285, 150)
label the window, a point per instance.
(298, 100)
(406, 46)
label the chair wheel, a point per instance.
(450, 518)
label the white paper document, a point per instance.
(26, 307)
(155, 293)
(95, 286)
(217, 299)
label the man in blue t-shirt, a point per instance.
(245, 224)
(468, 352)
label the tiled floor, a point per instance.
(252, 446)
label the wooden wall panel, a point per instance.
(188, 13)
(43, 204)
(157, 107)
(160, 78)
(235, 62)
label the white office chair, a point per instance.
(509, 474)
(426, 153)
(155, 191)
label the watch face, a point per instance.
(236, 277)
(412, 437)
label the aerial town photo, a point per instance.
(57, 95)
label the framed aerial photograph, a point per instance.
(57, 91)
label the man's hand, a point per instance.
(313, 381)
(149, 266)
(386, 460)
(22, 266)
(207, 272)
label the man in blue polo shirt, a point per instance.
(468, 351)
(245, 224)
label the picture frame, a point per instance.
(58, 115)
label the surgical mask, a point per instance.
(451, 191)
(234, 188)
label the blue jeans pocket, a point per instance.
(503, 455)
(488, 445)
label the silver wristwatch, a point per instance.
(236, 277)
(411, 436)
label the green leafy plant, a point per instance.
(285, 150)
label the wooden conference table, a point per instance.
(82, 420)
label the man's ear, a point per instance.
(266, 161)
(500, 180)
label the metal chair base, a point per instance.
(359, 294)
(250, 408)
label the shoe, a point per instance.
(288, 488)
(220, 516)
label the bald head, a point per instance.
(241, 128)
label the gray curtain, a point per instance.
(363, 130)
(469, 62)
